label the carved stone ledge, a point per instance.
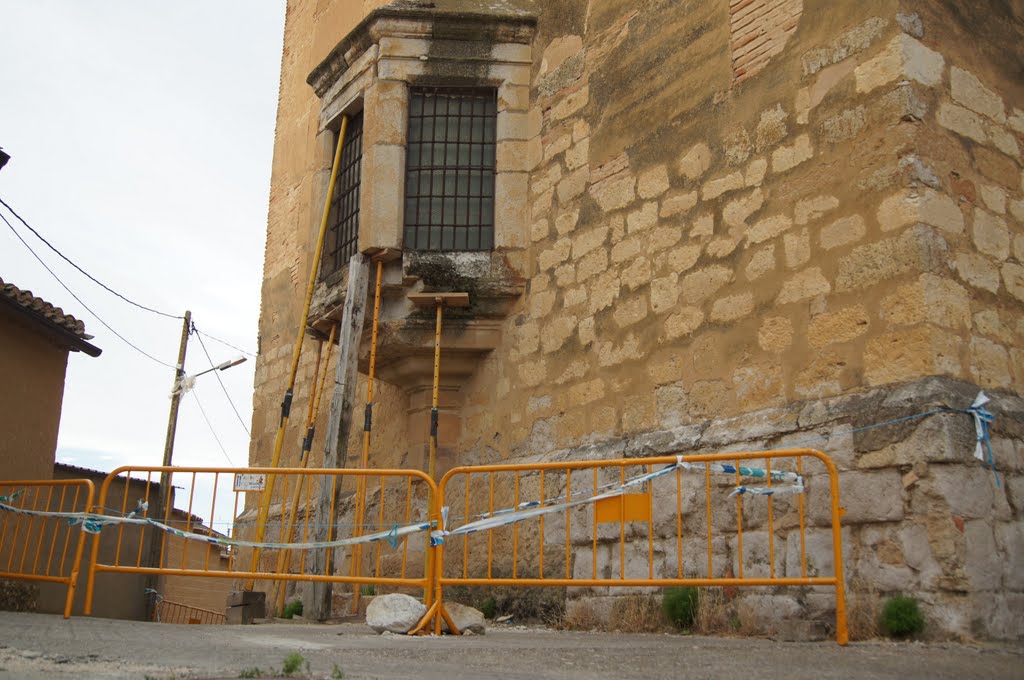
(461, 20)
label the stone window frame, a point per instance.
(373, 69)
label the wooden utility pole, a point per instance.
(165, 498)
(339, 425)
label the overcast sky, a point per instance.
(141, 135)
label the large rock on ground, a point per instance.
(465, 618)
(394, 612)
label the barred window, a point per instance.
(449, 176)
(342, 238)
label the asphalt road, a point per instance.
(37, 646)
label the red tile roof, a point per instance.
(41, 307)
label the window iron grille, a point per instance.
(450, 169)
(342, 238)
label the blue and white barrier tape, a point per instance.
(983, 444)
(767, 490)
(532, 509)
(718, 468)
(391, 536)
(92, 523)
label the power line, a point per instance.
(78, 299)
(216, 374)
(106, 287)
(210, 425)
(87, 274)
(228, 344)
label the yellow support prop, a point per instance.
(433, 397)
(267, 495)
(311, 415)
(439, 300)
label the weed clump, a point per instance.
(292, 663)
(582, 616)
(546, 604)
(637, 614)
(292, 609)
(901, 617)
(680, 605)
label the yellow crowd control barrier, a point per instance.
(210, 503)
(735, 519)
(732, 520)
(37, 539)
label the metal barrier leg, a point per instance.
(842, 634)
(90, 585)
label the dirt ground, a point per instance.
(40, 646)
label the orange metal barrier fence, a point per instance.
(697, 520)
(391, 537)
(734, 519)
(37, 543)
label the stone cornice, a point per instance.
(415, 21)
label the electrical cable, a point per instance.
(87, 274)
(226, 343)
(212, 431)
(225, 389)
(79, 300)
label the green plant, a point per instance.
(368, 589)
(292, 663)
(251, 673)
(489, 607)
(337, 673)
(292, 609)
(680, 605)
(901, 617)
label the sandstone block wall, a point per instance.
(804, 248)
(748, 222)
(921, 515)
